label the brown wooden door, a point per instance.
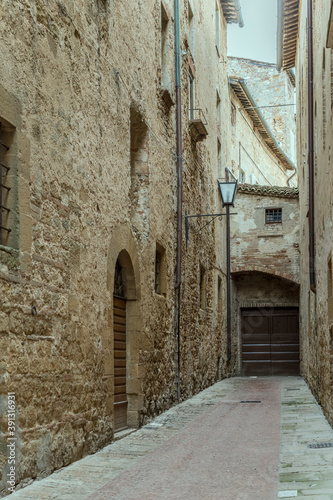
(120, 396)
(270, 341)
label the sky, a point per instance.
(257, 40)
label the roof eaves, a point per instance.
(244, 95)
(287, 33)
(232, 11)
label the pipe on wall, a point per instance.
(311, 152)
(179, 153)
(239, 14)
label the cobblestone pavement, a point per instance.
(212, 447)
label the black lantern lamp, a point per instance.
(228, 192)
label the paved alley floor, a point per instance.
(241, 439)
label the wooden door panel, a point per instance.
(270, 341)
(119, 350)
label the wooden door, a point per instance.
(270, 341)
(120, 396)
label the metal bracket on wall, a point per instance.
(214, 216)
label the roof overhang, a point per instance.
(287, 33)
(241, 90)
(232, 11)
(329, 43)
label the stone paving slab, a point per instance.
(308, 472)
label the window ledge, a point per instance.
(270, 234)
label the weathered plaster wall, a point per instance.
(315, 309)
(268, 248)
(270, 88)
(77, 80)
(249, 153)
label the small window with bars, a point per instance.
(273, 215)
(5, 188)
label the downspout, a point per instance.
(289, 178)
(239, 14)
(179, 152)
(280, 36)
(311, 152)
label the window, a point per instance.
(241, 176)
(191, 96)
(273, 215)
(164, 46)
(254, 180)
(329, 292)
(160, 270)
(219, 158)
(7, 194)
(219, 295)
(202, 287)
(139, 162)
(217, 27)
(218, 111)
(190, 29)
(233, 115)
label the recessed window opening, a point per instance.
(164, 46)
(241, 176)
(191, 96)
(217, 27)
(190, 29)
(273, 215)
(203, 296)
(233, 115)
(219, 158)
(160, 270)
(6, 179)
(330, 291)
(218, 111)
(219, 295)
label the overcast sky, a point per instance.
(257, 40)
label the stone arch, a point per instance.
(122, 248)
(258, 269)
(258, 289)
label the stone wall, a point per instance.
(270, 88)
(264, 257)
(248, 152)
(258, 246)
(316, 308)
(92, 135)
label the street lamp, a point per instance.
(228, 192)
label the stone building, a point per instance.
(95, 337)
(262, 145)
(265, 280)
(305, 41)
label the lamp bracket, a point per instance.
(201, 215)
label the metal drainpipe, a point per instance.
(289, 178)
(311, 152)
(179, 152)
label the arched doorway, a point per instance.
(119, 349)
(124, 283)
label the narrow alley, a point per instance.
(241, 439)
(166, 249)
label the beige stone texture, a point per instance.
(315, 308)
(248, 151)
(94, 177)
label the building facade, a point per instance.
(263, 127)
(96, 333)
(305, 41)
